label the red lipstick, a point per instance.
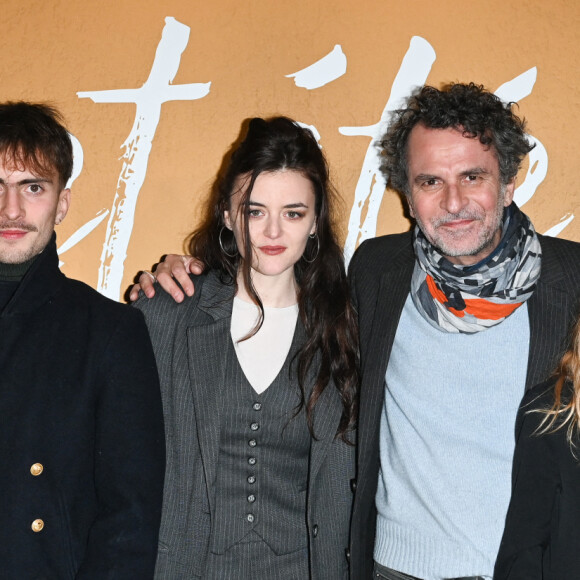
(272, 250)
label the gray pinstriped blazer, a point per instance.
(380, 274)
(188, 340)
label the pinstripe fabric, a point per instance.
(553, 307)
(256, 560)
(278, 443)
(380, 274)
(188, 340)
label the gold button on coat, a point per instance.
(37, 525)
(36, 469)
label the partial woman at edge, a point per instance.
(541, 539)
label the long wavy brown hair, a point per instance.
(565, 410)
(324, 303)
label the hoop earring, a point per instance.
(313, 259)
(222, 244)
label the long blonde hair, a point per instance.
(565, 411)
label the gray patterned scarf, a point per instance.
(469, 299)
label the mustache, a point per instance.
(462, 215)
(7, 225)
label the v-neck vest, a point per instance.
(262, 470)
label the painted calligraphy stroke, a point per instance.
(156, 90)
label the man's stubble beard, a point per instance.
(486, 237)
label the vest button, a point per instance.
(251, 498)
(252, 460)
(257, 406)
(252, 479)
(252, 442)
(37, 525)
(36, 469)
(250, 518)
(254, 426)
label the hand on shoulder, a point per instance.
(172, 274)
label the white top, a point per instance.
(262, 356)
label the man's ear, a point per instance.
(509, 192)
(62, 206)
(410, 205)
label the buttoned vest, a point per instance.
(262, 470)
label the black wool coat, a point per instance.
(82, 450)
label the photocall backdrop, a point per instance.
(154, 94)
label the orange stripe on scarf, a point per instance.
(478, 307)
(435, 292)
(486, 310)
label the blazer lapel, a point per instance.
(391, 297)
(551, 309)
(327, 411)
(206, 348)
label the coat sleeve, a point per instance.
(535, 488)
(129, 457)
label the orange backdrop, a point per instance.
(155, 93)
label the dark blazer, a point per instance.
(81, 433)
(188, 340)
(380, 274)
(542, 535)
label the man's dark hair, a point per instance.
(33, 136)
(467, 107)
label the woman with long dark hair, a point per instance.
(541, 539)
(259, 375)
